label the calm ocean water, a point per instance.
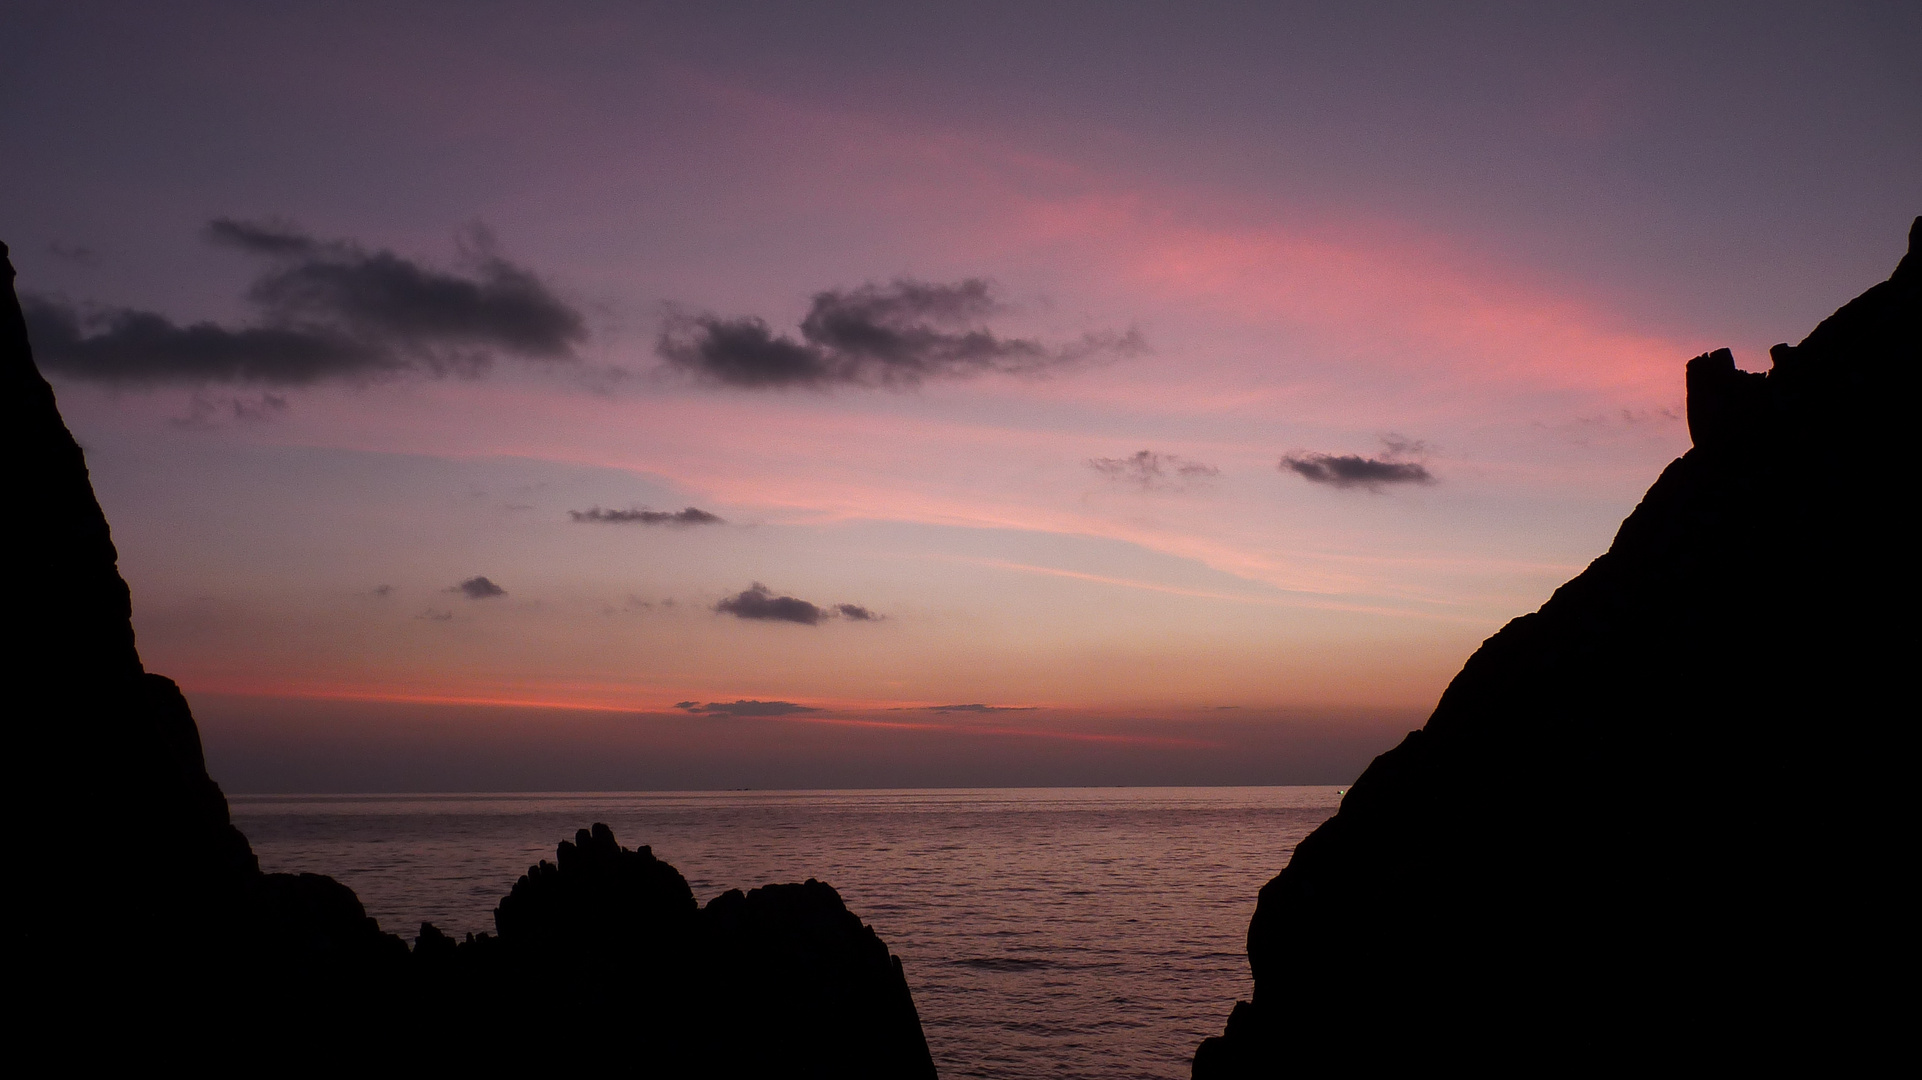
(1076, 932)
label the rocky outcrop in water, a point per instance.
(143, 929)
(782, 980)
(1663, 818)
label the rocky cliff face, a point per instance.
(106, 755)
(143, 929)
(1665, 813)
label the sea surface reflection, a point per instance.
(1058, 932)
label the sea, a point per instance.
(1067, 932)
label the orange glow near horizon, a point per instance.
(843, 715)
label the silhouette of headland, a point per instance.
(143, 930)
(1663, 821)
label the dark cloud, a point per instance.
(1352, 470)
(478, 588)
(757, 601)
(383, 296)
(979, 708)
(744, 707)
(689, 516)
(1356, 471)
(1154, 470)
(876, 335)
(139, 346)
(327, 309)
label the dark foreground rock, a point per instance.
(780, 979)
(1663, 820)
(143, 931)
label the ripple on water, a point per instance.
(1078, 932)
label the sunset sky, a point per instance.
(1188, 389)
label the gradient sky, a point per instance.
(1451, 256)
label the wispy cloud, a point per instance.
(1155, 471)
(1401, 446)
(643, 516)
(74, 253)
(327, 309)
(877, 335)
(206, 411)
(978, 708)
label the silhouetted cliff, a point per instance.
(1663, 818)
(143, 929)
